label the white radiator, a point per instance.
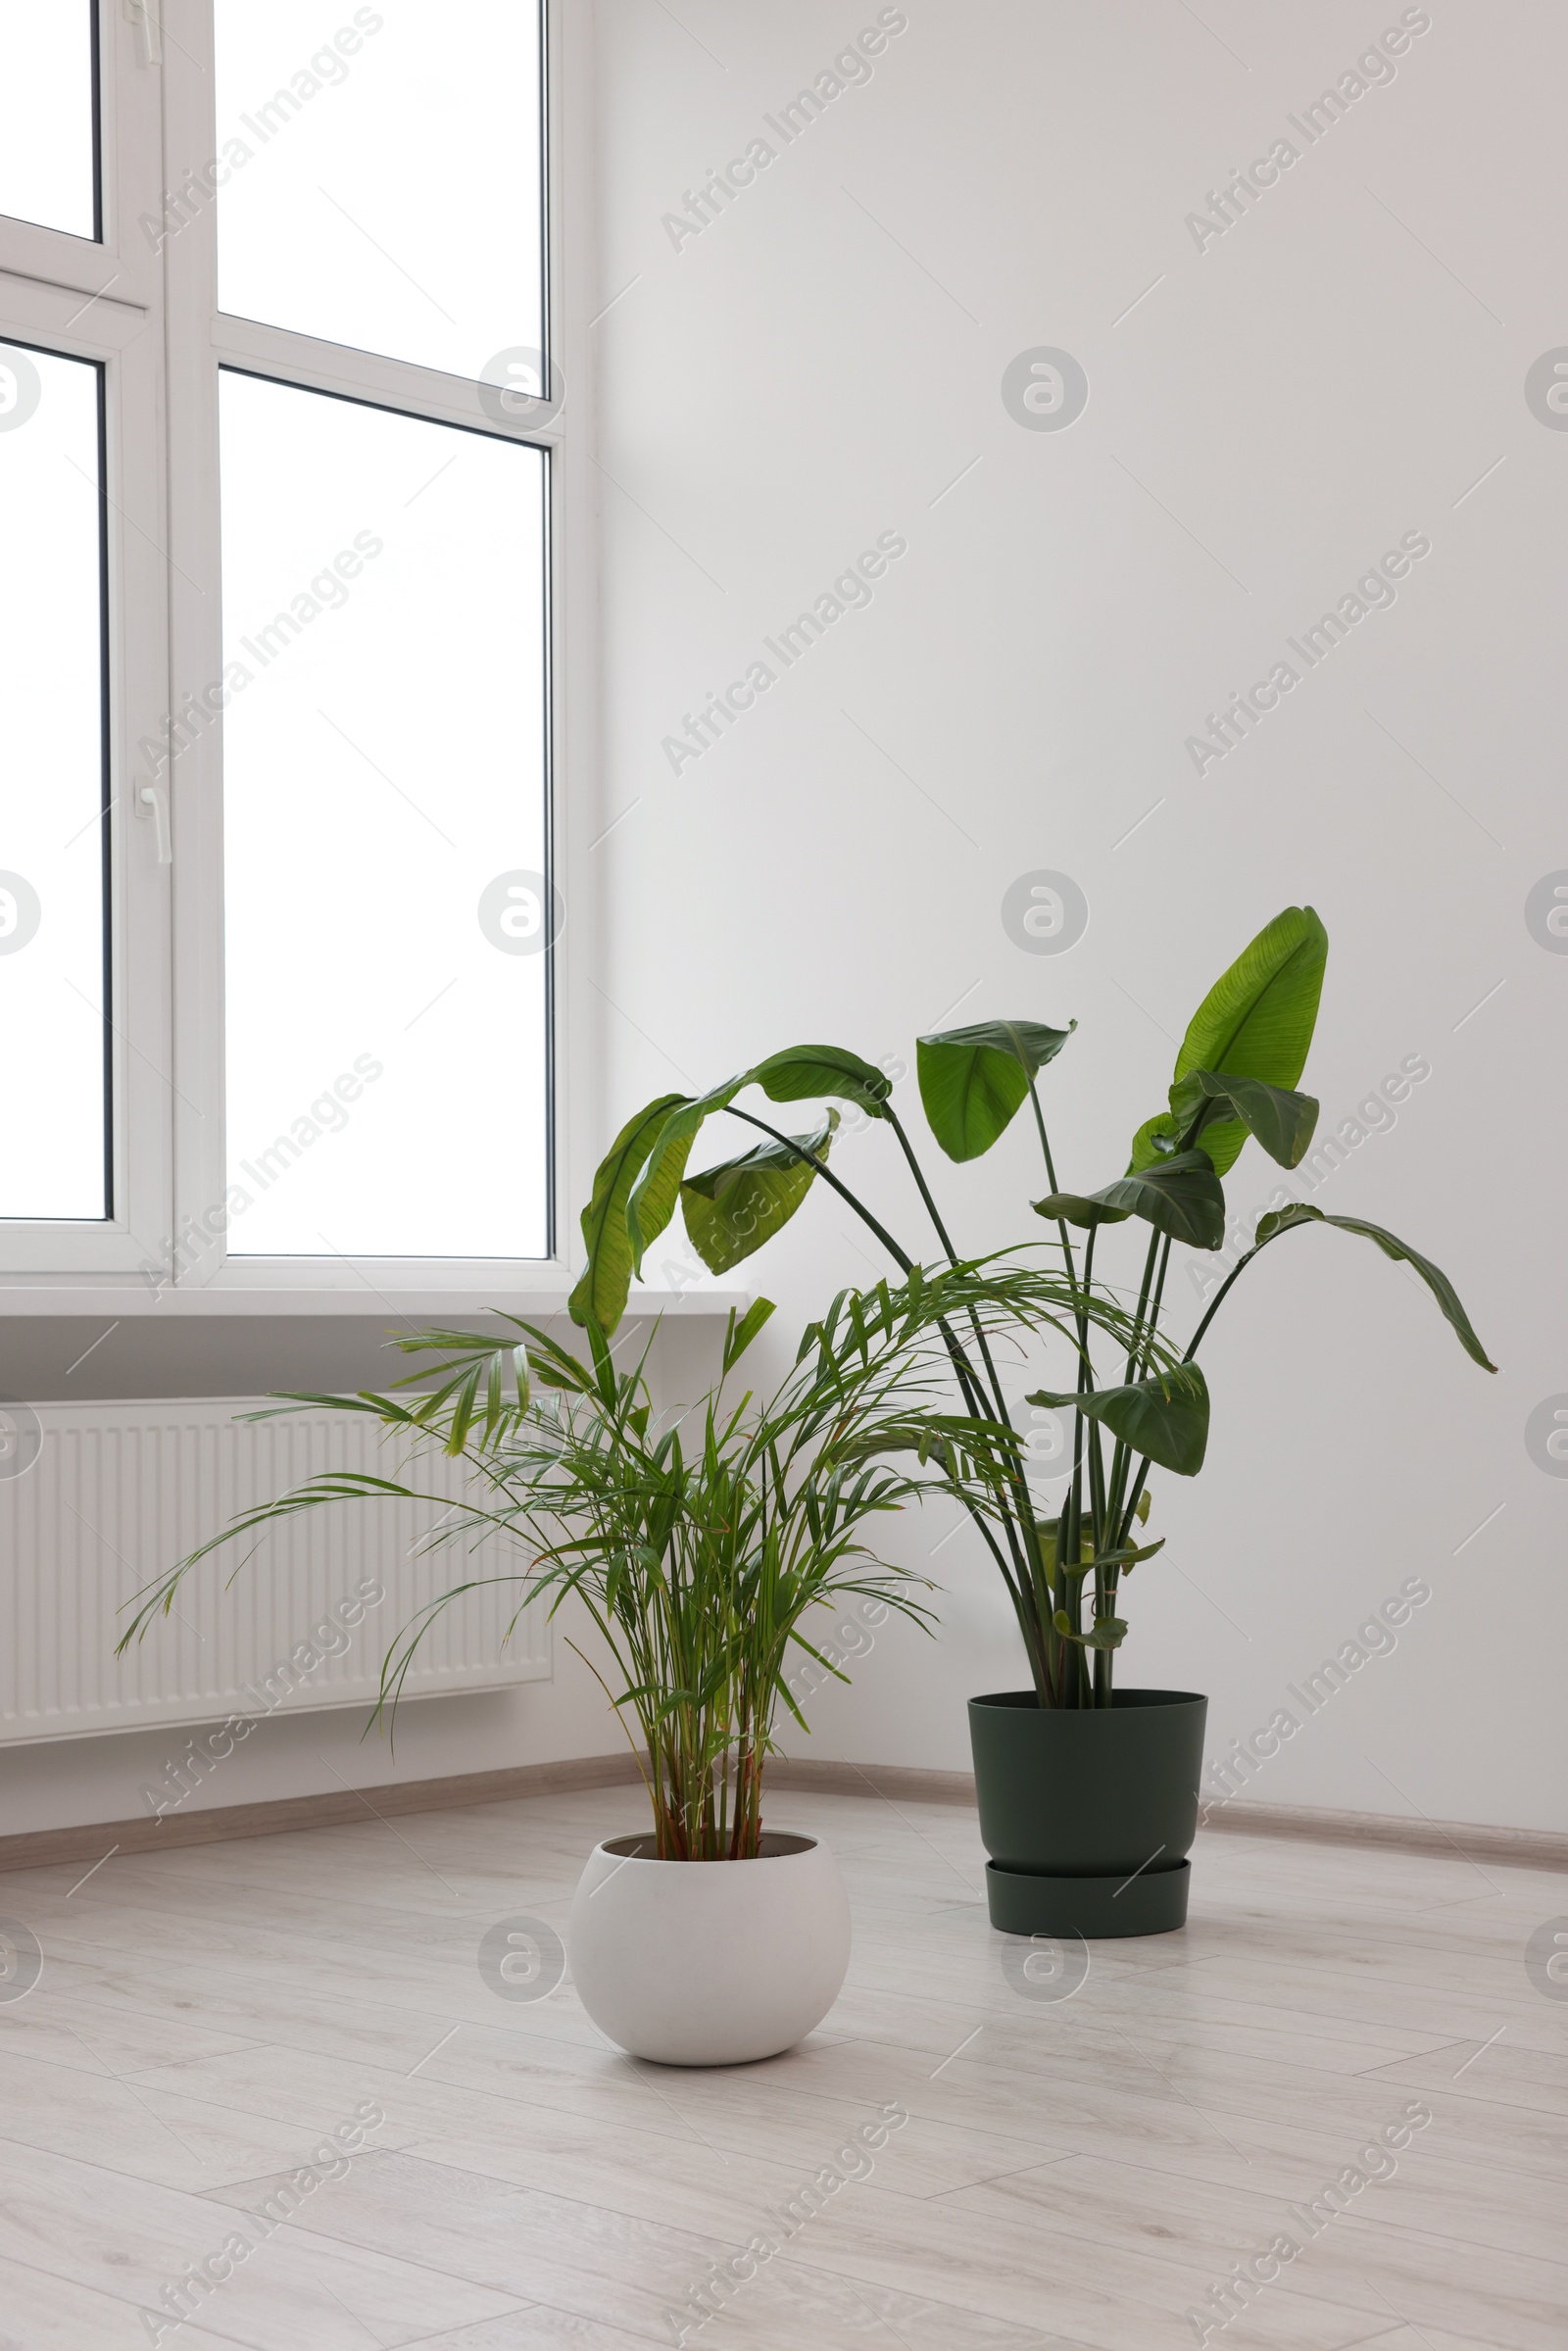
(121, 1492)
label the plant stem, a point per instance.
(919, 1173)
(1104, 1605)
(1071, 1509)
(1146, 1328)
(1045, 1145)
(1069, 1544)
(1218, 1300)
(1018, 1478)
(1152, 1331)
(1136, 1344)
(974, 1396)
(1086, 1384)
(1050, 1178)
(999, 1399)
(905, 1264)
(1124, 1531)
(1017, 1580)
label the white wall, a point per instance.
(821, 364)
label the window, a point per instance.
(53, 934)
(279, 446)
(49, 114)
(384, 740)
(395, 205)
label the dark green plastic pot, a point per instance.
(1088, 1817)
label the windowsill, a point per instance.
(238, 1300)
(81, 1342)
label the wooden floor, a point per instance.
(1076, 2172)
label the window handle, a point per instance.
(153, 802)
(144, 14)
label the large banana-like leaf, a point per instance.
(1256, 1021)
(799, 1073)
(600, 1296)
(638, 1182)
(1165, 1418)
(730, 1210)
(652, 1203)
(1180, 1195)
(1437, 1280)
(1281, 1121)
(803, 1073)
(973, 1080)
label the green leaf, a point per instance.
(1281, 1121)
(940, 1437)
(1181, 1197)
(1256, 1021)
(1049, 1530)
(653, 1202)
(1128, 1554)
(738, 1336)
(1437, 1280)
(731, 1209)
(1155, 1139)
(804, 1072)
(973, 1080)
(1166, 1418)
(797, 1074)
(1109, 1632)
(1087, 1208)
(600, 1296)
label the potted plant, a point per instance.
(700, 1545)
(1087, 1792)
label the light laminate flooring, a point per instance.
(1072, 2172)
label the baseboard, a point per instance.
(896, 1783)
(216, 1824)
(43, 1848)
(1464, 1840)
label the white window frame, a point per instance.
(151, 318)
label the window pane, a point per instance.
(47, 133)
(383, 174)
(52, 793)
(384, 832)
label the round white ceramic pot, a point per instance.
(709, 1962)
